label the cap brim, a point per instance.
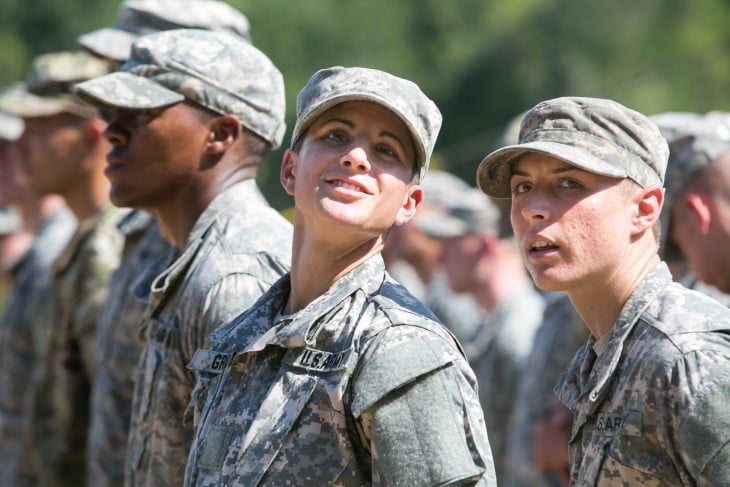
(109, 43)
(11, 127)
(494, 172)
(440, 226)
(21, 103)
(125, 90)
(305, 121)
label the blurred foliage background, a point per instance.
(482, 62)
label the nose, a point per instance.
(113, 133)
(356, 158)
(531, 206)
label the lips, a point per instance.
(541, 247)
(349, 184)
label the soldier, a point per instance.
(145, 252)
(192, 114)
(338, 375)
(64, 148)
(649, 390)
(49, 224)
(489, 268)
(698, 199)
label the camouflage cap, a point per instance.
(335, 85)
(468, 211)
(47, 89)
(672, 124)
(141, 17)
(11, 127)
(702, 142)
(439, 188)
(216, 70)
(597, 135)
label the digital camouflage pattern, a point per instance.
(361, 387)
(594, 134)
(560, 335)
(237, 249)
(27, 314)
(698, 145)
(335, 85)
(118, 345)
(79, 279)
(498, 353)
(650, 401)
(142, 17)
(46, 89)
(468, 212)
(216, 70)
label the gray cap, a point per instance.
(141, 17)
(11, 127)
(702, 141)
(213, 69)
(467, 211)
(439, 188)
(672, 124)
(47, 89)
(335, 85)
(597, 135)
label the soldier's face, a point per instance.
(53, 149)
(155, 158)
(353, 169)
(573, 227)
(14, 184)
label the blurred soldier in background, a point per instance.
(64, 149)
(146, 253)
(49, 225)
(192, 115)
(489, 268)
(412, 258)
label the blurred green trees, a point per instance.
(482, 62)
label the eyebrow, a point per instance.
(382, 133)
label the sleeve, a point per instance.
(418, 414)
(704, 425)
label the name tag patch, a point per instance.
(626, 423)
(209, 361)
(320, 361)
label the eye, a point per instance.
(520, 188)
(336, 136)
(569, 184)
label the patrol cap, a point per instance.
(216, 70)
(702, 141)
(11, 127)
(597, 135)
(47, 89)
(439, 188)
(332, 86)
(469, 211)
(141, 17)
(672, 124)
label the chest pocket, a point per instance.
(616, 452)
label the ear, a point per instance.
(223, 131)
(287, 174)
(699, 207)
(411, 202)
(648, 208)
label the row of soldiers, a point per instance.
(335, 374)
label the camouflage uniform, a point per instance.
(28, 311)
(79, 278)
(559, 336)
(312, 398)
(238, 248)
(650, 399)
(118, 345)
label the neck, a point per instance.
(35, 211)
(88, 195)
(318, 263)
(600, 305)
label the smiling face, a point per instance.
(353, 169)
(573, 227)
(156, 154)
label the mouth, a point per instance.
(541, 248)
(348, 185)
